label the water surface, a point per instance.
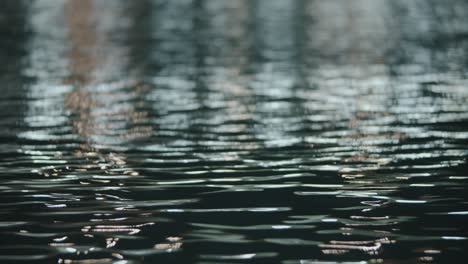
(238, 131)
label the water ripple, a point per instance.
(233, 131)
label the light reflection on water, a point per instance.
(233, 131)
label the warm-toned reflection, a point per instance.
(95, 63)
(101, 120)
(82, 30)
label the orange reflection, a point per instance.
(172, 244)
(105, 109)
(101, 115)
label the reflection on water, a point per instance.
(233, 131)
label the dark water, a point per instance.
(263, 131)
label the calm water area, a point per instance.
(234, 131)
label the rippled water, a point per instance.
(264, 131)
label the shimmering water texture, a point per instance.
(236, 131)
